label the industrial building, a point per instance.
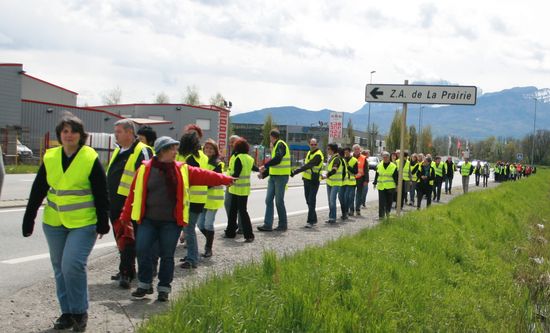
(30, 108)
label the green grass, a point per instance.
(21, 168)
(464, 266)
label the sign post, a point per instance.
(417, 94)
(335, 126)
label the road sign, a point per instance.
(519, 156)
(421, 94)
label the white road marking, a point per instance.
(47, 255)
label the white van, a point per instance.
(22, 150)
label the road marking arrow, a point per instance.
(375, 93)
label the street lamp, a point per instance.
(368, 119)
(534, 134)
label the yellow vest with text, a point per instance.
(385, 176)
(138, 193)
(283, 168)
(336, 178)
(70, 202)
(129, 167)
(241, 186)
(317, 168)
(350, 177)
(198, 193)
(215, 194)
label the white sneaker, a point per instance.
(309, 226)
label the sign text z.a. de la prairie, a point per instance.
(421, 94)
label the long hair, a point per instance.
(189, 144)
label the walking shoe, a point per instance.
(239, 232)
(163, 296)
(249, 240)
(264, 228)
(80, 321)
(141, 292)
(207, 252)
(358, 213)
(350, 214)
(64, 322)
(124, 282)
(331, 222)
(188, 265)
(115, 277)
(283, 229)
(309, 226)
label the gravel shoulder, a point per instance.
(112, 309)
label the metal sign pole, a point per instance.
(401, 156)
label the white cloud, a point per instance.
(312, 54)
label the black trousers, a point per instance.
(311, 187)
(127, 265)
(385, 201)
(424, 190)
(239, 206)
(437, 187)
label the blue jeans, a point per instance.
(69, 251)
(364, 194)
(191, 238)
(165, 234)
(206, 219)
(350, 199)
(332, 193)
(276, 190)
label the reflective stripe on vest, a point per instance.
(385, 176)
(198, 193)
(69, 200)
(283, 168)
(335, 179)
(129, 168)
(241, 186)
(215, 195)
(350, 177)
(307, 174)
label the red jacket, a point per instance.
(197, 176)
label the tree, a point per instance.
(192, 96)
(413, 139)
(371, 137)
(217, 100)
(112, 97)
(393, 139)
(350, 134)
(162, 98)
(426, 137)
(269, 124)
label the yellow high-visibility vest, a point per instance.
(336, 178)
(241, 186)
(283, 168)
(215, 195)
(70, 201)
(385, 176)
(198, 193)
(317, 168)
(129, 167)
(465, 169)
(439, 169)
(349, 180)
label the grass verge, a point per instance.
(21, 168)
(479, 263)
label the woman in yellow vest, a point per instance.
(73, 180)
(334, 177)
(385, 180)
(241, 167)
(159, 203)
(425, 181)
(214, 198)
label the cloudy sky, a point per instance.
(312, 54)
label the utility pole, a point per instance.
(534, 134)
(368, 120)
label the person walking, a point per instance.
(477, 172)
(159, 203)
(425, 177)
(466, 170)
(214, 197)
(278, 169)
(73, 181)
(449, 171)
(413, 167)
(386, 179)
(191, 153)
(241, 167)
(228, 196)
(406, 177)
(126, 159)
(365, 191)
(334, 177)
(361, 177)
(311, 175)
(439, 168)
(485, 172)
(349, 183)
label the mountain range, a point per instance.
(507, 113)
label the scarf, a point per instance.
(168, 170)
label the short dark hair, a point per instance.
(149, 133)
(241, 146)
(275, 133)
(347, 149)
(76, 125)
(333, 147)
(189, 144)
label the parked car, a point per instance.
(23, 151)
(373, 162)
